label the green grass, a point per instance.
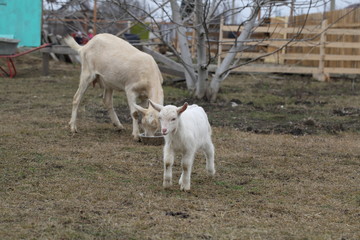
(100, 184)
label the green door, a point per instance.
(21, 19)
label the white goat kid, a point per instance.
(186, 130)
(117, 65)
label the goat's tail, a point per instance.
(70, 41)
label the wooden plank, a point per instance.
(328, 57)
(250, 42)
(317, 30)
(293, 30)
(245, 55)
(277, 69)
(343, 45)
(56, 49)
(347, 25)
(335, 31)
(277, 30)
(231, 28)
(300, 70)
(54, 40)
(306, 30)
(275, 43)
(342, 70)
(289, 69)
(163, 59)
(171, 71)
(59, 49)
(299, 56)
(280, 43)
(46, 40)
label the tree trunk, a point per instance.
(190, 74)
(201, 50)
(223, 70)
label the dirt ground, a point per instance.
(287, 161)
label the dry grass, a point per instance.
(99, 184)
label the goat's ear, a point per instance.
(140, 109)
(183, 108)
(156, 106)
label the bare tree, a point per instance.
(199, 15)
(223, 70)
(184, 46)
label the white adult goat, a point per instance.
(117, 65)
(186, 130)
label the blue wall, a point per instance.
(21, 19)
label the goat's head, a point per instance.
(168, 116)
(149, 121)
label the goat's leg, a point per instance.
(131, 97)
(85, 81)
(186, 163)
(209, 154)
(108, 102)
(168, 163)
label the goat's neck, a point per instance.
(156, 95)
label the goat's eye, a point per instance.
(173, 119)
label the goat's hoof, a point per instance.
(73, 130)
(185, 188)
(119, 127)
(167, 184)
(211, 172)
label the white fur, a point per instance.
(186, 130)
(117, 65)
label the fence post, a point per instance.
(45, 61)
(321, 75)
(281, 59)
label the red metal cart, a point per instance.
(11, 72)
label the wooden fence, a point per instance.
(319, 49)
(317, 44)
